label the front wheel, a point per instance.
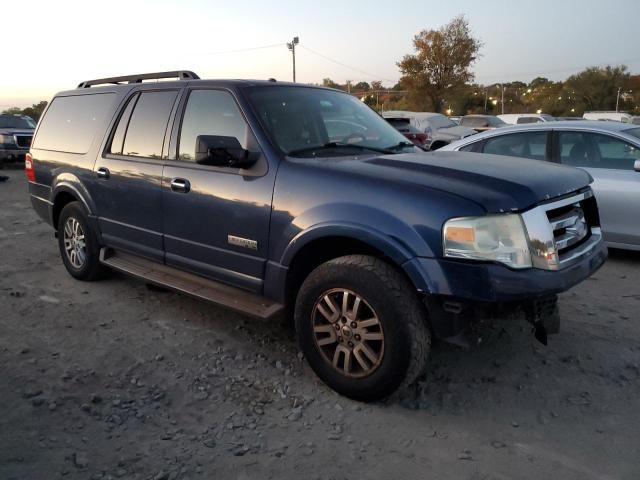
(78, 244)
(361, 327)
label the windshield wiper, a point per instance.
(337, 146)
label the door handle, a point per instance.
(103, 172)
(180, 185)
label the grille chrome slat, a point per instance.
(23, 141)
(559, 232)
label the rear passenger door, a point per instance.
(128, 175)
(216, 219)
(534, 145)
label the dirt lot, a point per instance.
(111, 380)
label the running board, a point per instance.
(194, 285)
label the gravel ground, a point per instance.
(110, 380)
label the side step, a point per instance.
(169, 277)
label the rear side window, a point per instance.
(71, 123)
(522, 120)
(528, 145)
(144, 135)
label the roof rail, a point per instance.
(180, 74)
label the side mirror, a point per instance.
(636, 165)
(222, 151)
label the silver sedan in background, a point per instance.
(609, 151)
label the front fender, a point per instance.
(388, 233)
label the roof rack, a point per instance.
(180, 74)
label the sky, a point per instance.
(58, 44)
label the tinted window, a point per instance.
(440, 121)
(528, 145)
(473, 122)
(594, 150)
(468, 148)
(14, 121)
(210, 112)
(148, 124)
(614, 153)
(301, 120)
(121, 130)
(71, 123)
(529, 120)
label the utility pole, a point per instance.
(502, 102)
(292, 48)
(618, 98)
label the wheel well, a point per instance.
(61, 200)
(318, 252)
(438, 144)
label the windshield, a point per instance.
(11, 121)
(440, 121)
(301, 120)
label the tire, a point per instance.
(393, 361)
(82, 267)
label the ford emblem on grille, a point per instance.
(579, 229)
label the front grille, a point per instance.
(569, 226)
(23, 141)
(563, 231)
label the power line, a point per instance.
(337, 62)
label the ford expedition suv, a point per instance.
(15, 137)
(233, 191)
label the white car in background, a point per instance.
(441, 130)
(521, 118)
(609, 151)
(615, 116)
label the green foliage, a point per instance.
(34, 111)
(442, 61)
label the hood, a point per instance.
(497, 183)
(455, 132)
(16, 131)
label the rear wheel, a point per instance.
(78, 243)
(361, 327)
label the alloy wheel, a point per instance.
(348, 333)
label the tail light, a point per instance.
(28, 168)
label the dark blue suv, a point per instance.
(271, 197)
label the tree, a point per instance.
(442, 62)
(596, 88)
(13, 111)
(34, 111)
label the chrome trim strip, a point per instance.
(573, 256)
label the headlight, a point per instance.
(7, 139)
(498, 238)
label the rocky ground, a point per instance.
(111, 380)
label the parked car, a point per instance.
(482, 123)
(636, 120)
(573, 119)
(233, 191)
(615, 116)
(16, 132)
(520, 118)
(440, 129)
(609, 151)
(418, 137)
(455, 119)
